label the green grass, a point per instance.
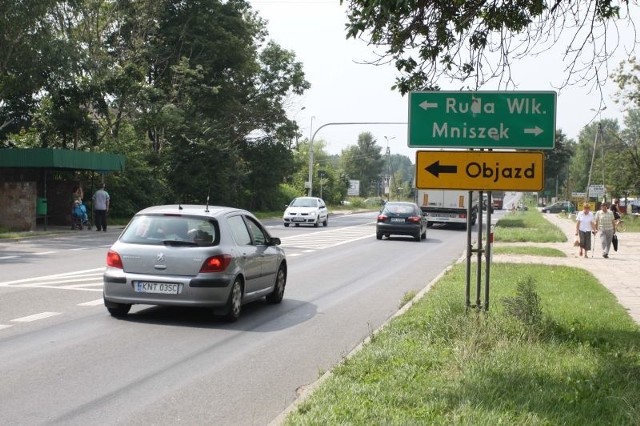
(632, 222)
(528, 251)
(527, 226)
(576, 363)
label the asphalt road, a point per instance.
(64, 360)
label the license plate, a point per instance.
(157, 288)
(298, 219)
(397, 219)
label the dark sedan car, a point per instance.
(559, 207)
(194, 256)
(401, 218)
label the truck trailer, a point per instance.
(447, 206)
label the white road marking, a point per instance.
(36, 317)
(87, 280)
(311, 242)
(92, 303)
(8, 257)
(3, 326)
(48, 277)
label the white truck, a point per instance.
(447, 206)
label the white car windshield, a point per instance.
(304, 202)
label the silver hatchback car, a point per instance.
(193, 255)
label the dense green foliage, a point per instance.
(190, 92)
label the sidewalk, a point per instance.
(620, 273)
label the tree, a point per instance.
(32, 55)
(190, 90)
(364, 162)
(556, 163)
(624, 155)
(628, 79)
(478, 40)
(597, 156)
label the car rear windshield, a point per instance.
(399, 209)
(171, 229)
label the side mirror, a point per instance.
(275, 241)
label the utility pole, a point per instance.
(388, 176)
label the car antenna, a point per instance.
(206, 209)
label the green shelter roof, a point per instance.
(60, 159)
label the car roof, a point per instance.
(191, 209)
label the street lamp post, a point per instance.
(342, 123)
(311, 157)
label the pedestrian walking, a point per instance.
(615, 208)
(584, 228)
(605, 224)
(101, 201)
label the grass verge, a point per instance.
(555, 348)
(528, 251)
(539, 230)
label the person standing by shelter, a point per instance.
(605, 223)
(584, 227)
(101, 201)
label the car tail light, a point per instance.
(216, 263)
(414, 219)
(114, 260)
(382, 217)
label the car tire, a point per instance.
(234, 303)
(424, 235)
(278, 289)
(317, 222)
(117, 310)
(416, 236)
(286, 225)
(378, 235)
(326, 222)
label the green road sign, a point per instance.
(479, 119)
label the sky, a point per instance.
(344, 90)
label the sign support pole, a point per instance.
(469, 252)
(478, 255)
(487, 252)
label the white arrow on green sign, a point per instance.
(482, 119)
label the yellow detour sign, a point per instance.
(480, 170)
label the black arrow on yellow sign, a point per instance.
(435, 169)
